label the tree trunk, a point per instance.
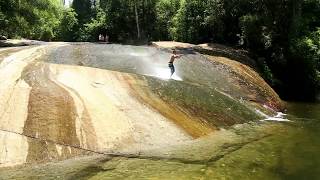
(137, 19)
(296, 17)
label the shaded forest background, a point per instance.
(283, 36)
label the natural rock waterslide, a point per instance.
(62, 100)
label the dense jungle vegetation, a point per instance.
(283, 36)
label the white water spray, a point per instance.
(280, 117)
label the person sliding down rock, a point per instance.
(174, 56)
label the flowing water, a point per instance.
(246, 143)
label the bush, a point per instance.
(304, 66)
(47, 35)
(95, 27)
(67, 26)
(166, 10)
(251, 31)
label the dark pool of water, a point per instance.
(291, 153)
(304, 153)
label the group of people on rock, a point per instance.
(103, 38)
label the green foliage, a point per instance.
(198, 21)
(305, 64)
(251, 30)
(310, 46)
(164, 16)
(35, 19)
(120, 22)
(95, 27)
(121, 19)
(188, 21)
(67, 26)
(166, 10)
(310, 20)
(84, 10)
(307, 48)
(3, 23)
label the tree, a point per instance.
(35, 19)
(84, 10)
(128, 20)
(198, 21)
(67, 26)
(304, 67)
(137, 19)
(95, 27)
(165, 11)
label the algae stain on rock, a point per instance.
(51, 117)
(251, 86)
(191, 124)
(84, 127)
(197, 109)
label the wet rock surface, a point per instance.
(60, 102)
(245, 152)
(212, 49)
(19, 42)
(3, 37)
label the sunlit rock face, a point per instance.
(59, 101)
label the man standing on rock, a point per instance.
(174, 56)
